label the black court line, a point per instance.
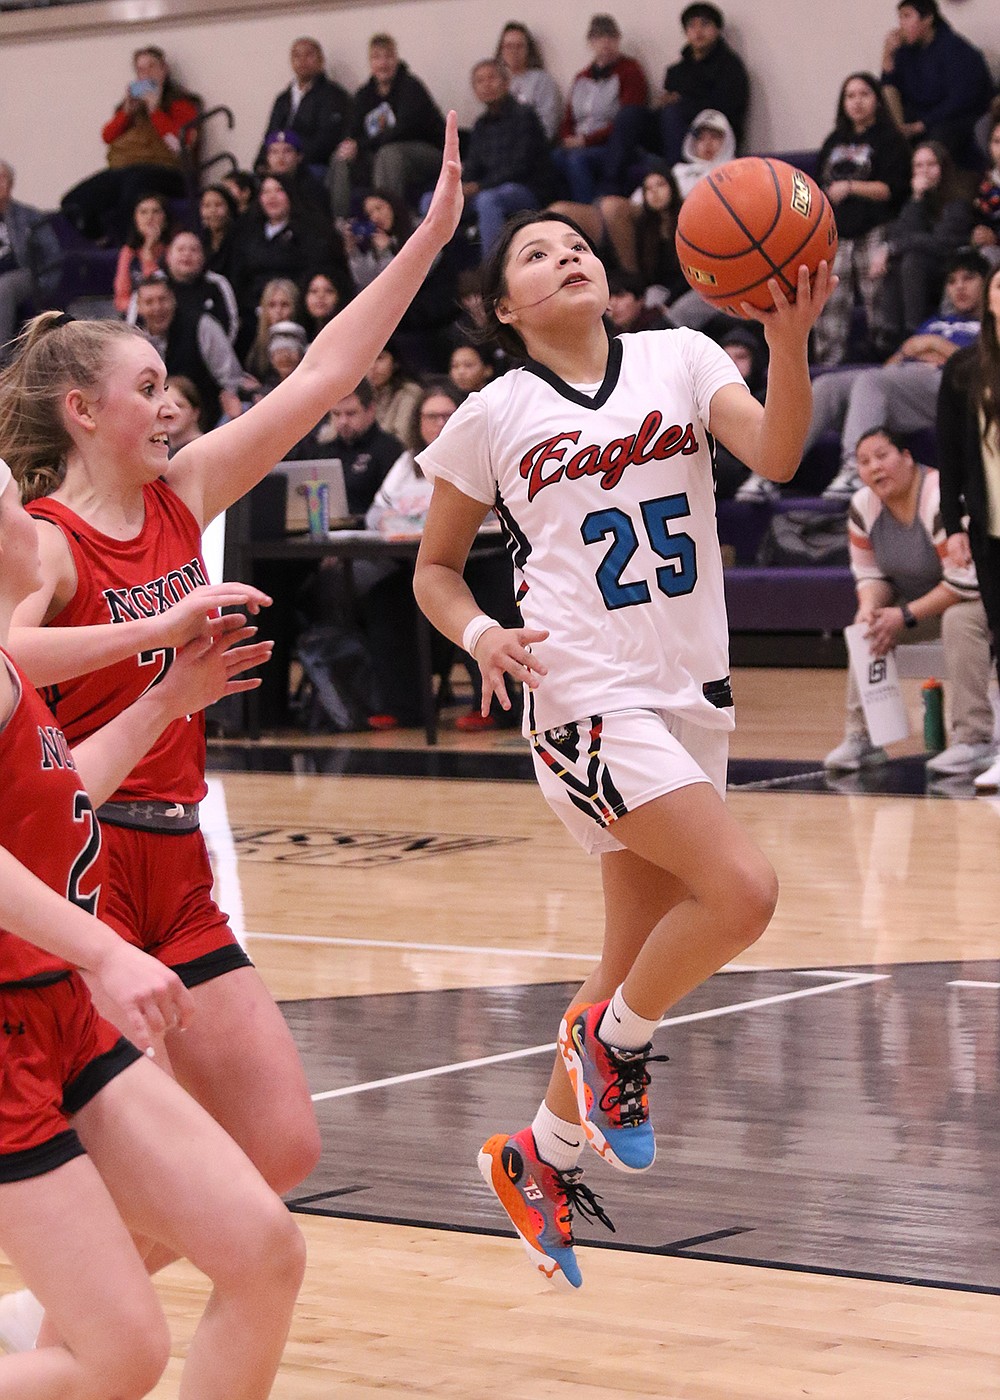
(662, 1251)
(901, 777)
(854, 1133)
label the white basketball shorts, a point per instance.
(595, 770)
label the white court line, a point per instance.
(857, 980)
(328, 940)
(992, 986)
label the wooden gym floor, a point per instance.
(822, 1218)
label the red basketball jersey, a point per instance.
(126, 581)
(46, 821)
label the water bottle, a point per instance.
(933, 715)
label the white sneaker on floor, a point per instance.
(844, 484)
(990, 780)
(757, 490)
(962, 758)
(856, 752)
(20, 1318)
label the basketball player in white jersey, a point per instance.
(597, 456)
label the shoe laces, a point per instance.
(625, 1096)
(575, 1196)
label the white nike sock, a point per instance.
(622, 1027)
(559, 1143)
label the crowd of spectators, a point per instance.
(232, 285)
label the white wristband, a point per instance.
(475, 629)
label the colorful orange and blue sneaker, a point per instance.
(540, 1202)
(610, 1087)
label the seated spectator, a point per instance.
(469, 368)
(423, 334)
(709, 74)
(709, 142)
(196, 290)
(909, 591)
(279, 301)
(395, 393)
(506, 164)
(627, 310)
(518, 50)
(937, 83)
(902, 393)
(986, 205)
(397, 132)
(278, 239)
(604, 118)
(284, 156)
(321, 300)
(186, 423)
(142, 252)
(144, 151)
(286, 348)
(217, 214)
(933, 222)
(351, 434)
(317, 110)
(864, 169)
(374, 240)
(193, 346)
(17, 222)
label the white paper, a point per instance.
(878, 683)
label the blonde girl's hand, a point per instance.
(789, 324)
(213, 665)
(507, 650)
(446, 205)
(191, 617)
(150, 995)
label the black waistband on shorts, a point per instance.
(167, 818)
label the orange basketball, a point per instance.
(748, 221)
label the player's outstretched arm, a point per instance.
(444, 596)
(217, 469)
(152, 997)
(769, 440)
(202, 672)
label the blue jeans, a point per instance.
(492, 207)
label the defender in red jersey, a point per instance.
(91, 1135)
(96, 449)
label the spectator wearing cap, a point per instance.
(604, 117)
(708, 74)
(286, 347)
(317, 110)
(195, 346)
(937, 84)
(284, 155)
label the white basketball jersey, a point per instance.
(608, 504)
